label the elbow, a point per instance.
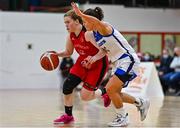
(69, 53)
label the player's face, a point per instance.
(70, 24)
(88, 26)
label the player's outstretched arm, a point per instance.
(69, 49)
(87, 18)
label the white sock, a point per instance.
(98, 93)
(120, 111)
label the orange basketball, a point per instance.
(49, 60)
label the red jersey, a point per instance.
(95, 74)
(83, 47)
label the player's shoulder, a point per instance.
(107, 24)
(88, 35)
(88, 32)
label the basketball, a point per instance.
(49, 60)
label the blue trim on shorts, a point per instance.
(120, 72)
(127, 82)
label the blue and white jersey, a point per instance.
(115, 45)
(125, 62)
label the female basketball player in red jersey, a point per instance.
(91, 76)
(123, 57)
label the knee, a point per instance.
(84, 96)
(69, 84)
(110, 90)
(114, 89)
(67, 89)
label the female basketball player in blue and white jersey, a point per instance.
(123, 57)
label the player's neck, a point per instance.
(78, 30)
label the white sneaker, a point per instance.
(119, 121)
(143, 109)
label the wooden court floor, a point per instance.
(38, 108)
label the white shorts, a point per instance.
(126, 69)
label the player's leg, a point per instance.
(93, 79)
(142, 104)
(113, 88)
(70, 83)
(75, 77)
(88, 94)
(127, 98)
(123, 73)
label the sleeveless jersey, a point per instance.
(83, 47)
(115, 45)
(93, 76)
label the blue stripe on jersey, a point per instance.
(97, 36)
(120, 43)
(123, 56)
(101, 43)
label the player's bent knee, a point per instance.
(67, 88)
(111, 90)
(70, 83)
(85, 95)
(67, 91)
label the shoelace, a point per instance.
(116, 118)
(119, 116)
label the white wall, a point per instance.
(139, 19)
(20, 68)
(0, 48)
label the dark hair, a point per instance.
(73, 15)
(97, 12)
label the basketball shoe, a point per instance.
(119, 121)
(106, 99)
(64, 119)
(143, 108)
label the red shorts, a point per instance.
(91, 77)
